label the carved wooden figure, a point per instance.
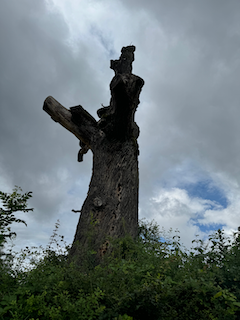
(111, 206)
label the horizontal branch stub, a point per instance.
(83, 130)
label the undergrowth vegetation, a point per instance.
(152, 277)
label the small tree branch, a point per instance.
(83, 128)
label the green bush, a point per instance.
(153, 277)
(12, 203)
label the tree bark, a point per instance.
(111, 207)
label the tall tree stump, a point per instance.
(111, 207)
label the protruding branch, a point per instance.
(76, 211)
(83, 128)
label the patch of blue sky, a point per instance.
(207, 190)
(207, 228)
(197, 182)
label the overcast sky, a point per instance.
(187, 52)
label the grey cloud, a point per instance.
(36, 62)
(190, 106)
(195, 88)
(187, 53)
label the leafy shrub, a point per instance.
(12, 203)
(153, 277)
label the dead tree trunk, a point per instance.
(111, 206)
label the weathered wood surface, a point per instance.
(62, 115)
(111, 206)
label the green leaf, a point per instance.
(237, 304)
(217, 295)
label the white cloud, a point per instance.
(173, 208)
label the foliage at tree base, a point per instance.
(152, 277)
